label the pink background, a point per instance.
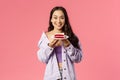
(95, 22)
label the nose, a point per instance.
(59, 20)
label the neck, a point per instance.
(57, 31)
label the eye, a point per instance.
(62, 17)
(55, 17)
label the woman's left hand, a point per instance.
(66, 42)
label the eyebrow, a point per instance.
(60, 16)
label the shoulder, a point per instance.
(43, 35)
(42, 38)
(48, 33)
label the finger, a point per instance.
(54, 41)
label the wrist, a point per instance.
(50, 45)
(66, 44)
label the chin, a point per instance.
(59, 28)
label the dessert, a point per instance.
(60, 36)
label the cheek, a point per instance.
(54, 22)
(63, 21)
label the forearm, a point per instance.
(44, 54)
(74, 53)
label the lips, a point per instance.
(58, 24)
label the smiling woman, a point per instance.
(58, 19)
(59, 52)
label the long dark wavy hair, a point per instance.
(66, 28)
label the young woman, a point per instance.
(62, 52)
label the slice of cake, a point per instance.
(59, 35)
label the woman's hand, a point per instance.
(52, 43)
(59, 42)
(66, 42)
(55, 43)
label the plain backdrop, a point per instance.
(95, 22)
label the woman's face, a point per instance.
(58, 19)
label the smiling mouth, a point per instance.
(59, 25)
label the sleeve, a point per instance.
(44, 51)
(74, 54)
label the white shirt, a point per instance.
(70, 55)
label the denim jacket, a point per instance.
(70, 55)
